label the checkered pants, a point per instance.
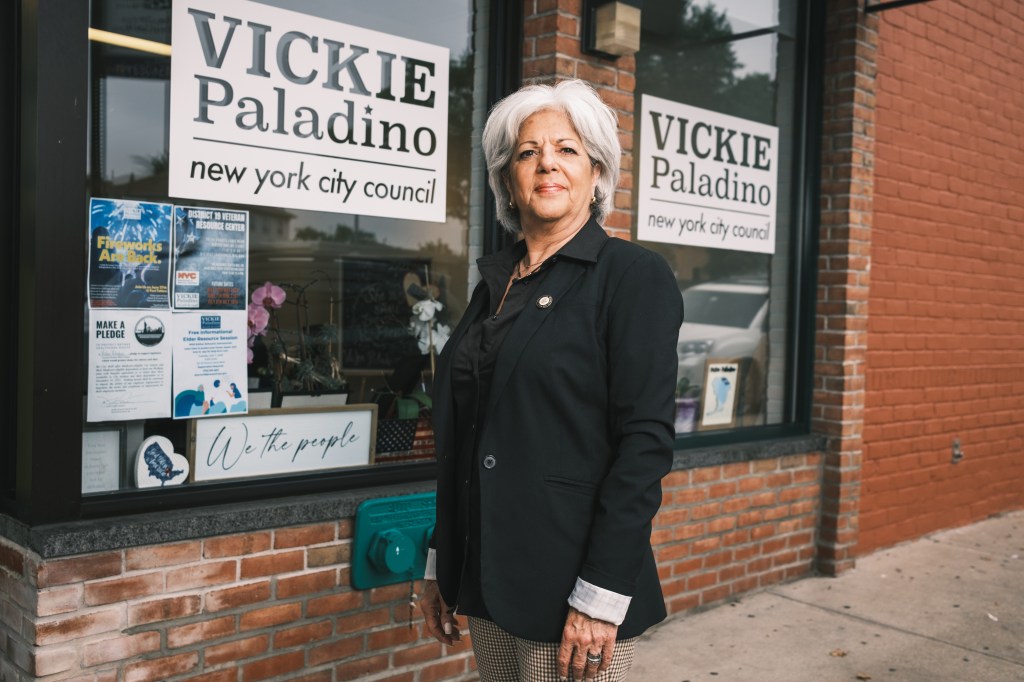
(501, 657)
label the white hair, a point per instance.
(593, 120)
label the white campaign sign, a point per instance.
(278, 108)
(283, 441)
(706, 179)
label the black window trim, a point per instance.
(10, 17)
(54, 202)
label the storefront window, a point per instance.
(359, 285)
(714, 174)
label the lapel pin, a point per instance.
(545, 301)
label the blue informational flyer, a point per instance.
(129, 254)
(209, 375)
(211, 257)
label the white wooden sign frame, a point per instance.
(282, 441)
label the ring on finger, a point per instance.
(593, 659)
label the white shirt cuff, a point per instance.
(430, 572)
(598, 602)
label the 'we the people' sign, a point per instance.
(282, 441)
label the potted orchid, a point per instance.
(299, 358)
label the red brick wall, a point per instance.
(946, 330)
(238, 608)
(843, 273)
(729, 529)
(278, 603)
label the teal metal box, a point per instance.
(390, 539)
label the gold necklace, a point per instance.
(530, 269)
(517, 275)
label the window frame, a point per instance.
(48, 56)
(53, 137)
(10, 17)
(802, 290)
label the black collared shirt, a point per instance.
(473, 362)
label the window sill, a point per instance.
(714, 455)
(180, 525)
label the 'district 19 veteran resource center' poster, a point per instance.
(211, 248)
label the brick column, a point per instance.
(843, 273)
(552, 51)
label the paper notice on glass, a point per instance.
(210, 364)
(129, 254)
(101, 460)
(211, 249)
(129, 365)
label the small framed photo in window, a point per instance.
(319, 399)
(103, 447)
(260, 399)
(719, 396)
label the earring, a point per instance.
(593, 199)
(511, 205)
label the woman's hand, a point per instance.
(438, 617)
(584, 635)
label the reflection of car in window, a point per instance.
(725, 319)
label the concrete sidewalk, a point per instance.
(947, 607)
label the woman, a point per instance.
(553, 411)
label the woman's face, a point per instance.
(551, 179)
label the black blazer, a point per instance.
(579, 434)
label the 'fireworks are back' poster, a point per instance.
(129, 254)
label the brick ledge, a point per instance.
(135, 530)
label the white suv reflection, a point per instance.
(725, 319)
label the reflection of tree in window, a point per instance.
(343, 234)
(460, 125)
(156, 164)
(686, 56)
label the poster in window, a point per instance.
(211, 255)
(279, 108)
(129, 365)
(721, 386)
(210, 364)
(129, 254)
(706, 179)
